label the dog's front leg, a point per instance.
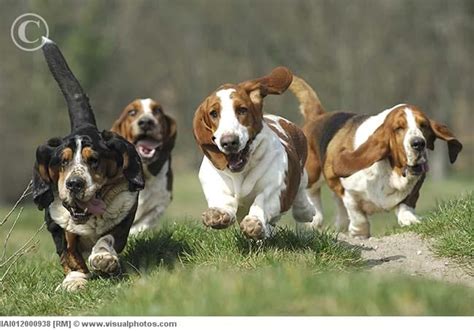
(104, 258)
(221, 201)
(265, 209)
(73, 264)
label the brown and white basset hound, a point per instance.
(87, 183)
(253, 166)
(144, 124)
(372, 163)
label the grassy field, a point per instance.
(184, 269)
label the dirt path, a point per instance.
(408, 253)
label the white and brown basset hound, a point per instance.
(253, 166)
(372, 163)
(144, 124)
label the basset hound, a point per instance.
(253, 166)
(372, 163)
(87, 183)
(144, 124)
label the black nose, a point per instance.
(418, 144)
(146, 123)
(75, 184)
(230, 142)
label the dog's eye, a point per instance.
(132, 112)
(213, 113)
(156, 111)
(93, 162)
(424, 125)
(398, 129)
(242, 110)
(64, 163)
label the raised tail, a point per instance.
(80, 111)
(310, 105)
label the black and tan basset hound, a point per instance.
(87, 183)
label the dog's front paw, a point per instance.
(253, 228)
(217, 218)
(73, 281)
(105, 262)
(407, 218)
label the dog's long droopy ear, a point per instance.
(170, 138)
(276, 82)
(128, 159)
(376, 148)
(441, 131)
(43, 178)
(80, 111)
(203, 134)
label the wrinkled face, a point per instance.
(82, 168)
(234, 120)
(144, 124)
(410, 134)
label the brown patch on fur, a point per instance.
(71, 258)
(248, 95)
(296, 149)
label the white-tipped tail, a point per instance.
(310, 105)
(45, 40)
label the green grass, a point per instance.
(185, 269)
(452, 227)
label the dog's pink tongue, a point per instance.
(425, 167)
(148, 144)
(94, 206)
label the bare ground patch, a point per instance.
(408, 253)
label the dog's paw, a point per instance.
(74, 281)
(407, 218)
(360, 232)
(105, 262)
(253, 228)
(217, 218)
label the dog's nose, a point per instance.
(146, 123)
(230, 142)
(75, 184)
(418, 144)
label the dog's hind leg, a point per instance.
(307, 208)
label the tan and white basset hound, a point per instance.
(144, 123)
(372, 163)
(253, 166)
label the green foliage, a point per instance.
(452, 227)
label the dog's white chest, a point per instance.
(115, 212)
(155, 197)
(378, 187)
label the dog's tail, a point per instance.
(310, 105)
(80, 111)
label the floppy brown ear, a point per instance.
(43, 179)
(172, 132)
(120, 126)
(128, 159)
(203, 135)
(376, 148)
(276, 82)
(441, 131)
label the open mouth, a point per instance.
(416, 169)
(237, 161)
(81, 211)
(147, 147)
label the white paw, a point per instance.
(317, 221)
(73, 281)
(361, 231)
(407, 218)
(104, 262)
